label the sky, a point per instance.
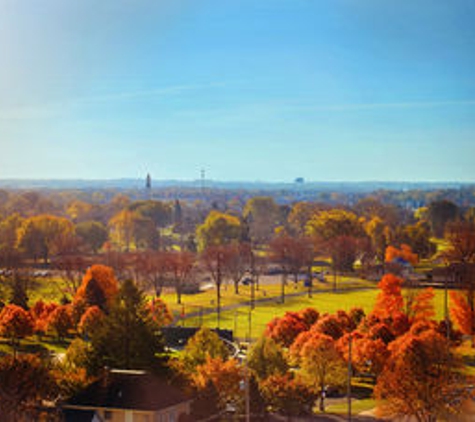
(268, 90)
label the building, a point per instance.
(128, 396)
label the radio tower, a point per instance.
(202, 182)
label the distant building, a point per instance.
(148, 182)
(128, 396)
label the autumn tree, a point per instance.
(93, 233)
(422, 306)
(320, 363)
(36, 235)
(404, 254)
(340, 231)
(287, 395)
(99, 286)
(439, 213)
(299, 216)
(237, 261)
(180, 265)
(285, 329)
(334, 223)
(160, 312)
(461, 256)
(25, 381)
(204, 344)
(369, 355)
(422, 378)
(213, 259)
(292, 255)
(218, 229)
(226, 376)
(389, 301)
(71, 269)
(262, 215)
(267, 358)
(152, 268)
(60, 321)
(91, 319)
(122, 228)
(378, 233)
(15, 323)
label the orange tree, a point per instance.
(422, 378)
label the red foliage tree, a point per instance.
(15, 323)
(60, 321)
(389, 300)
(160, 312)
(422, 306)
(284, 330)
(104, 282)
(40, 313)
(461, 312)
(24, 383)
(90, 320)
(422, 378)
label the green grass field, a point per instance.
(246, 324)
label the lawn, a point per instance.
(246, 324)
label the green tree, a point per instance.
(127, 337)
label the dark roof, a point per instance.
(129, 390)
(74, 415)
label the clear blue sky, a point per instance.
(249, 90)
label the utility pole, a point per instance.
(349, 378)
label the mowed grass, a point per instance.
(249, 324)
(272, 288)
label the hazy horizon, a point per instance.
(334, 91)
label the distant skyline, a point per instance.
(331, 90)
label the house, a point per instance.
(128, 396)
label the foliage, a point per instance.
(24, 382)
(226, 376)
(160, 312)
(205, 343)
(60, 321)
(99, 286)
(15, 323)
(90, 319)
(462, 313)
(335, 223)
(422, 307)
(284, 330)
(405, 253)
(389, 301)
(267, 358)
(287, 395)
(93, 233)
(37, 234)
(320, 362)
(127, 337)
(421, 378)
(439, 214)
(218, 229)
